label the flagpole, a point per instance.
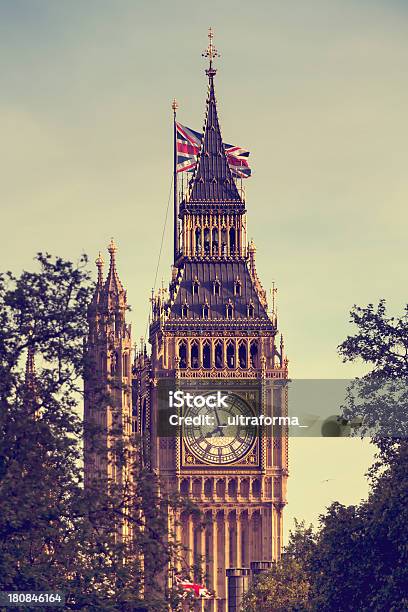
(174, 106)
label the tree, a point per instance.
(381, 396)
(360, 561)
(286, 587)
(357, 559)
(54, 534)
(39, 431)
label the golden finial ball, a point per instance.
(112, 247)
(99, 260)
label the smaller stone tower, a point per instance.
(107, 412)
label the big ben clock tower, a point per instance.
(211, 333)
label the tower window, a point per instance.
(182, 353)
(242, 355)
(194, 355)
(230, 355)
(184, 311)
(254, 354)
(206, 241)
(215, 241)
(237, 287)
(229, 311)
(223, 241)
(207, 355)
(196, 285)
(206, 311)
(218, 355)
(232, 240)
(184, 487)
(208, 488)
(216, 287)
(198, 240)
(251, 310)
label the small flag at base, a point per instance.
(198, 589)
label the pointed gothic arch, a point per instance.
(195, 354)
(206, 311)
(229, 310)
(215, 241)
(184, 310)
(232, 240)
(182, 353)
(237, 286)
(242, 354)
(232, 488)
(217, 287)
(208, 488)
(254, 354)
(223, 241)
(206, 241)
(195, 286)
(256, 488)
(198, 240)
(231, 354)
(184, 487)
(207, 354)
(218, 352)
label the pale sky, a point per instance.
(318, 93)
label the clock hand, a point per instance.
(217, 416)
(211, 433)
(219, 426)
(218, 429)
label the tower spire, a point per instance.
(30, 383)
(113, 294)
(30, 369)
(96, 299)
(212, 180)
(99, 264)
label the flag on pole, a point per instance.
(199, 590)
(188, 148)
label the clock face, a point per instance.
(225, 440)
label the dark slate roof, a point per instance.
(212, 180)
(226, 272)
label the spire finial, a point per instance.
(112, 247)
(174, 106)
(274, 291)
(211, 52)
(99, 264)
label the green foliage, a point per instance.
(380, 341)
(358, 557)
(54, 534)
(286, 587)
(381, 396)
(362, 551)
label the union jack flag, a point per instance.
(188, 148)
(199, 590)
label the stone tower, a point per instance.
(212, 329)
(107, 410)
